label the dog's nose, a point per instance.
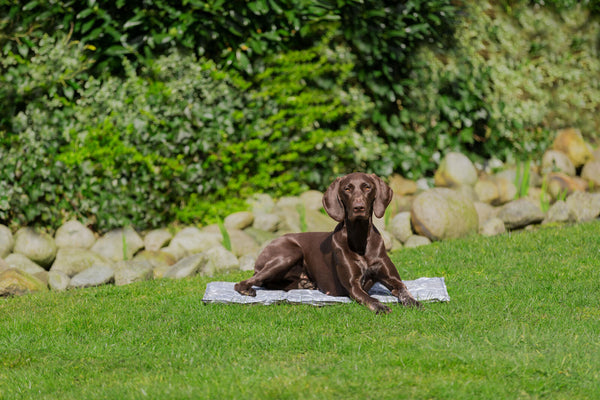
(359, 208)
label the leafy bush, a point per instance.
(511, 80)
(180, 139)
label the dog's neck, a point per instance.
(358, 234)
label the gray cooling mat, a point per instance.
(423, 289)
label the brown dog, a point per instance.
(345, 262)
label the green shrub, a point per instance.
(180, 139)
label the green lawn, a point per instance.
(523, 322)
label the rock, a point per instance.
(127, 272)
(507, 191)
(455, 170)
(38, 246)
(242, 243)
(402, 186)
(259, 236)
(570, 142)
(561, 185)
(58, 281)
(14, 282)
(416, 241)
(557, 161)
(388, 239)
(442, 213)
(219, 260)
(400, 226)
(261, 203)
(312, 200)
(247, 262)
(493, 226)
(484, 211)
(584, 206)
(156, 258)
(157, 239)
(486, 190)
(266, 222)
(591, 173)
(316, 221)
(74, 234)
(559, 212)
(193, 241)
(73, 260)
(94, 276)
(20, 262)
(119, 244)
(7, 242)
(239, 220)
(188, 266)
(520, 213)
(3, 265)
(596, 154)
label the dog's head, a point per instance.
(357, 196)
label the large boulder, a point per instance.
(442, 213)
(239, 220)
(188, 266)
(557, 161)
(584, 206)
(131, 271)
(94, 276)
(14, 282)
(157, 239)
(591, 173)
(455, 170)
(73, 260)
(570, 142)
(191, 240)
(38, 246)
(7, 241)
(520, 213)
(219, 260)
(74, 234)
(119, 244)
(400, 226)
(19, 261)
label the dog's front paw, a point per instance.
(378, 307)
(406, 299)
(245, 290)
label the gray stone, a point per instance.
(7, 241)
(316, 221)
(58, 281)
(266, 222)
(239, 220)
(584, 206)
(416, 241)
(484, 211)
(491, 227)
(442, 213)
(261, 203)
(157, 239)
(14, 282)
(559, 212)
(74, 234)
(261, 237)
(193, 241)
(3, 265)
(19, 261)
(38, 246)
(591, 172)
(156, 258)
(455, 170)
(127, 272)
(94, 276)
(557, 161)
(219, 260)
(119, 244)
(486, 190)
(242, 243)
(247, 262)
(312, 200)
(400, 226)
(73, 260)
(520, 213)
(188, 266)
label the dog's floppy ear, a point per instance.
(383, 196)
(332, 203)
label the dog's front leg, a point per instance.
(350, 276)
